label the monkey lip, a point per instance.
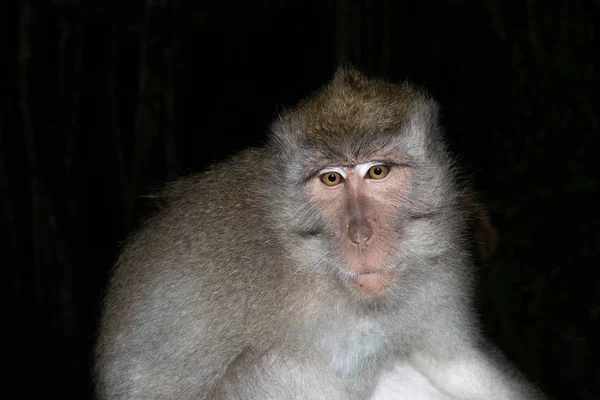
(373, 282)
(380, 271)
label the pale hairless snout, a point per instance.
(360, 230)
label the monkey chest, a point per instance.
(351, 348)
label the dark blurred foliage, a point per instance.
(103, 102)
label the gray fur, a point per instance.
(233, 291)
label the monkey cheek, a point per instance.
(372, 284)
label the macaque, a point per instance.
(332, 263)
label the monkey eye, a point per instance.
(378, 172)
(331, 178)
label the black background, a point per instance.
(103, 102)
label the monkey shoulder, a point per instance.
(215, 215)
(198, 265)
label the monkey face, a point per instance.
(368, 191)
(359, 204)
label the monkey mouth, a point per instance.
(379, 271)
(371, 283)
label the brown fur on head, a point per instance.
(353, 104)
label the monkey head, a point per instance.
(366, 180)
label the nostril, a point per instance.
(360, 233)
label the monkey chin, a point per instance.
(372, 284)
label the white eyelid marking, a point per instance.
(362, 169)
(340, 171)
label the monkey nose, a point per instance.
(360, 232)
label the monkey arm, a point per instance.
(160, 338)
(176, 356)
(464, 371)
(275, 375)
(403, 382)
(450, 360)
